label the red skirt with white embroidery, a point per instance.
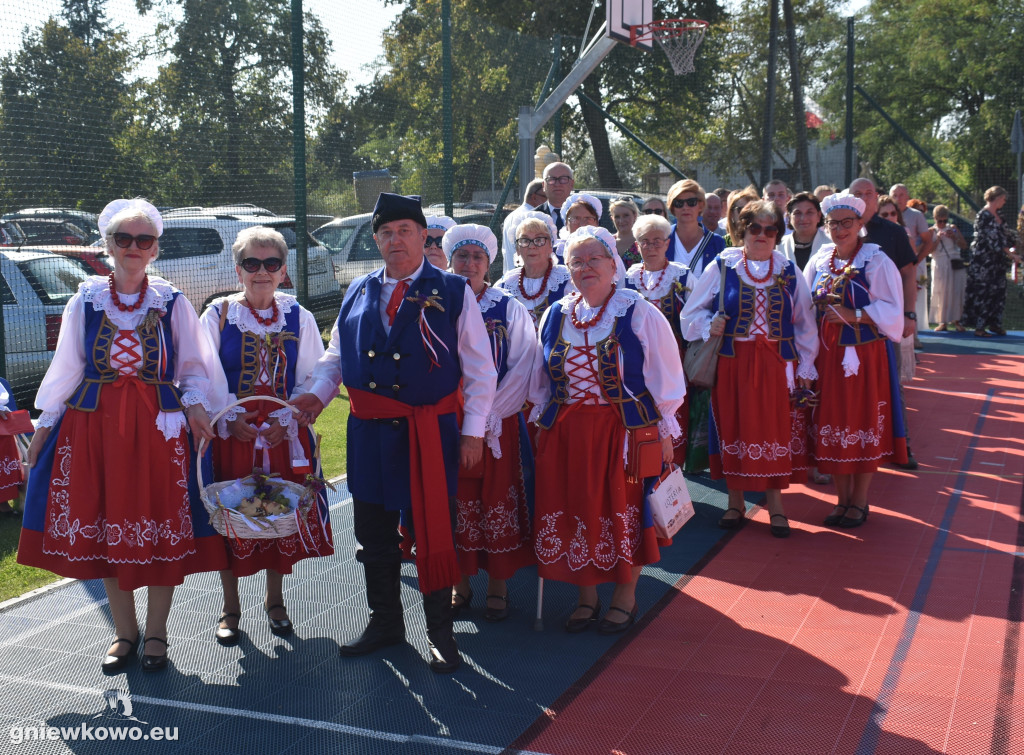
(589, 519)
(233, 459)
(118, 503)
(852, 425)
(761, 438)
(11, 473)
(493, 527)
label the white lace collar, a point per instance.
(621, 301)
(733, 257)
(863, 256)
(490, 297)
(240, 316)
(674, 272)
(96, 289)
(559, 275)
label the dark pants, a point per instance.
(376, 530)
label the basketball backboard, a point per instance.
(623, 14)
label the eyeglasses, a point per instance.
(270, 264)
(688, 202)
(653, 212)
(648, 243)
(575, 265)
(143, 241)
(434, 241)
(756, 229)
(465, 256)
(889, 214)
(524, 243)
(845, 223)
(558, 179)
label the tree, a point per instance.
(86, 19)
(60, 101)
(221, 108)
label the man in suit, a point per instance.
(407, 336)
(558, 185)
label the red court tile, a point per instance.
(694, 718)
(650, 742)
(724, 659)
(771, 727)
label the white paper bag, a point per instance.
(670, 503)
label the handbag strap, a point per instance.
(721, 287)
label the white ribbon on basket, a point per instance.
(296, 452)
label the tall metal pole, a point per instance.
(849, 102)
(446, 105)
(299, 154)
(803, 160)
(769, 104)
(557, 147)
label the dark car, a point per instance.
(46, 231)
(85, 222)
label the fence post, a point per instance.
(849, 101)
(446, 106)
(301, 279)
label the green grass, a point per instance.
(16, 579)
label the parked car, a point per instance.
(195, 255)
(355, 253)
(34, 288)
(48, 231)
(93, 259)
(84, 221)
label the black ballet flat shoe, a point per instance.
(279, 627)
(833, 520)
(616, 627)
(497, 614)
(732, 522)
(460, 602)
(575, 626)
(779, 530)
(227, 635)
(850, 522)
(155, 662)
(114, 663)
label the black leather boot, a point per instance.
(444, 653)
(387, 625)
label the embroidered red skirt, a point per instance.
(118, 504)
(589, 520)
(11, 473)
(852, 430)
(755, 429)
(493, 530)
(232, 460)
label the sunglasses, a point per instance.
(143, 241)
(756, 229)
(890, 214)
(653, 212)
(434, 241)
(689, 202)
(270, 264)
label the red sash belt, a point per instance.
(124, 381)
(436, 562)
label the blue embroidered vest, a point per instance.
(739, 305)
(240, 355)
(399, 365)
(853, 292)
(157, 368)
(670, 305)
(496, 322)
(626, 392)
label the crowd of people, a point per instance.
(494, 425)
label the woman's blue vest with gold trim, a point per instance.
(626, 392)
(853, 291)
(739, 305)
(496, 322)
(100, 333)
(240, 355)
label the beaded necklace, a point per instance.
(653, 286)
(584, 326)
(751, 275)
(264, 321)
(116, 300)
(543, 284)
(849, 263)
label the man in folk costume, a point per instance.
(407, 336)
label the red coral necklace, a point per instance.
(578, 324)
(750, 273)
(264, 321)
(116, 300)
(543, 284)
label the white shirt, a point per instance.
(478, 374)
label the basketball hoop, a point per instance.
(678, 37)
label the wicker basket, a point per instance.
(234, 524)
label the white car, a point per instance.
(195, 255)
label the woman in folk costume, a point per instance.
(111, 494)
(493, 528)
(665, 285)
(11, 472)
(692, 244)
(757, 439)
(858, 421)
(437, 227)
(608, 370)
(541, 280)
(267, 345)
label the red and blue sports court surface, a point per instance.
(901, 636)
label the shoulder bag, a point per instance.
(701, 361)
